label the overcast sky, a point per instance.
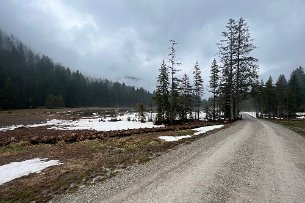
(126, 40)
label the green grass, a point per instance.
(297, 126)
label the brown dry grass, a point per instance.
(84, 162)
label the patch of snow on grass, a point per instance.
(15, 170)
(200, 130)
(97, 124)
(12, 127)
(174, 138)
(94, 123)
(206, 129)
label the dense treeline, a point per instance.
(281, 98)
(28, 80)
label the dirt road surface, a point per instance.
(252, 161)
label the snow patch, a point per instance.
(206, 129)
(99, 125)
(200, 130)
(124, 122)
(173, 138)
(15, 170)
(12, 127)
(300, 115)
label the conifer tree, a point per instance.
(294, 95)
(173, 81)
(197, 87)
(185, 101)
(214, 85)
(281, 88)
(162, 93)
(257, 93)
(300, 75)
(239, 68)
(270, 97)
(246, 67)
(227, 58)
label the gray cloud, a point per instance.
(134, 79)
(112, 39)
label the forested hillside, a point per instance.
(28, 80)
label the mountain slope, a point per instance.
(28, 80)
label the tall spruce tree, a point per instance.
(185, 101)
(214, 85)
(239, 68)
(173, 81)
(162, 94)
(197, 87)
(246, 65)
(294, 95)
(226, 54)
(270, 98)
(281, 89)
(257, 93)
(300, 75)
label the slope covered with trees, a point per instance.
(28, 80)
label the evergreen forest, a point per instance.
(28, 80)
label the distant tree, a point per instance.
(197, 87)
(258, 94)
(173, 81)
(141, 110)
(162, 94)
(270, 98)
(281, 88)
(294, 95)
(300, 75)
(214, 85)
(185, 102)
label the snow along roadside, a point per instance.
(200, 130)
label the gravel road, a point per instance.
(252, 161)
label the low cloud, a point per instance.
(127, 40)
